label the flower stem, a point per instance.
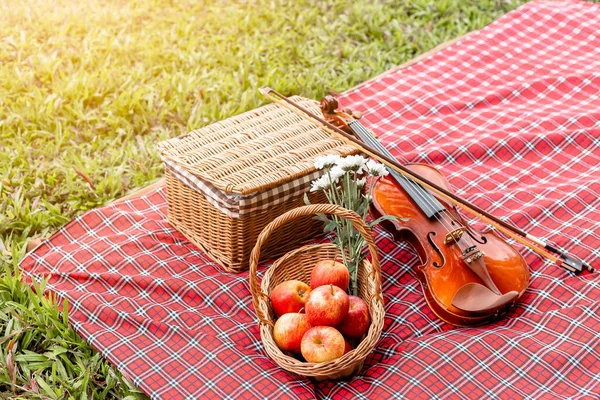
(333, 195)
(346, 192)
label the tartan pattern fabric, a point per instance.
(236, 205)
(511, 114)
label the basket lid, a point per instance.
(256, 150)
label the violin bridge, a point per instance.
(471, 254)
(455, 235)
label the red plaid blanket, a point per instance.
(511, 114)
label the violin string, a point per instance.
(418, 192)
(445, 217)
(414, 190)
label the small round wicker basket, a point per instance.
(298, 264)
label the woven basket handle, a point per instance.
(330, 209)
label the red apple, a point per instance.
(347, 346)
(289, 330)
(327, 305)
(289, 297)
(322, 343)
(358, 319)
(328, 272)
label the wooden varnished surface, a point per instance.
(506, 266)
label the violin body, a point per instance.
(443, 270)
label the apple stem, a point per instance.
(300, 310)
(332, 292)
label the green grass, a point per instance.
(87, 88)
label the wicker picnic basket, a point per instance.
(298, 264)
(228, 180)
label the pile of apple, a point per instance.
(316, 321)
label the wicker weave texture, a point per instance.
(255, 150)
(229, 241)
(298, 264)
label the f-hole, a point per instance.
(482, 239)
(437, 250)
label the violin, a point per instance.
(468, 277)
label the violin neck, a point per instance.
(423, 198)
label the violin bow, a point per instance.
(543, 248)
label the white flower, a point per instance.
(352, 163)
(323, 183)
(376, 169)
(326, 161)
(336, 173)
(361, 182)
(317, 184)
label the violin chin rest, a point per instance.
(476, 298)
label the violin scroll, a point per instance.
(329, 104)
(339, 118)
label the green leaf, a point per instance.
(306, 199)
(65, 312)
(55, 351)
(46, 389)
(386, 218)
(329, 227)
(322, 218)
